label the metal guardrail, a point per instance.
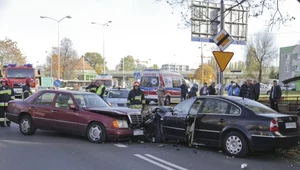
(286, 103)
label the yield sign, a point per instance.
(223, 58)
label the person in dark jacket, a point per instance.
(184, 91)
(193, 91)
(247, 90)
(212, 89)
(91, 87)
(100, 88)
(136, 98)
(275, 95)
(204, 90)
(256, 86)
(26, 91)
(6, 94)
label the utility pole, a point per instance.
(221, 28)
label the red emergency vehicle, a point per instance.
(150, 79)
(17, 74)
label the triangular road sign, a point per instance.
(223, 58)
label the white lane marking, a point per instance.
(166, 162)
(153, 162)
(19, 142)
(120, 145)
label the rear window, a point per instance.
(257, 107)
(118, 94)
(149, 81)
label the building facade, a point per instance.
(289, 64)
(175, 67)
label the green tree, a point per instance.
(273, 74)
(96, 61)
(155, 66)
(128, 63)
(10, 53)
(251, 63)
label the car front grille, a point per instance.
(135, 118)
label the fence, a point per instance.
(287, 104)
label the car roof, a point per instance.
(66, 91)
(231, 98)
(115, 89)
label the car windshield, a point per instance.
(20, 73)
(90, 100)
(118, 94)
(257, 107)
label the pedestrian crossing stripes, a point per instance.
(159, 162)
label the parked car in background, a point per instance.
(117, 97)
(75, 112)
(264, 89)
(235, 124)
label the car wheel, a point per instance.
(235, 144)
(96, 133)
(167, 101)
(26, 125)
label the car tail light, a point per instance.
(274, 125)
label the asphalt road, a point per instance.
(54, 151)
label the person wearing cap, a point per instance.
(6, 94)
(91, 87)
(100, 88)
(247, 90)
(136, 98)
(26, 91)
(275, 96)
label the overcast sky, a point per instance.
(142, 28)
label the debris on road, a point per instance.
(195, 151)
(161, 145)
(244, 165)
(220, 151)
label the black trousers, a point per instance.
(274, 105)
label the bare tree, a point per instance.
(257, 8)
(264, 47)
(68, 57)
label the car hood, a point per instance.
(113, 110)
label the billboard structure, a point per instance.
(205, 22)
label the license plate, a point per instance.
(138, 132)
(290, 125)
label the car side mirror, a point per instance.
(72, 106)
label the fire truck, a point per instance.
(17, 74)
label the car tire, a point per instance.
(26, 125)
(96, 133)
(235, 144)
(167, 101)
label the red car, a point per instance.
(74, 112)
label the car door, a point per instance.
(66, 119)
(174, 124)
(41, 110)
(212, 119)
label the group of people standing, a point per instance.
(96, 87)
(7, 94)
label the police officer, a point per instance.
(26, 91)
(136, 98)
(92, 87)
(100, 88)
(6, 94)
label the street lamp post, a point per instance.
(58, 55)
(123, 72)
(104, 25)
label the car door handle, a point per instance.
(222, 120)
(53, 111)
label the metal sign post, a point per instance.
(222, 27)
